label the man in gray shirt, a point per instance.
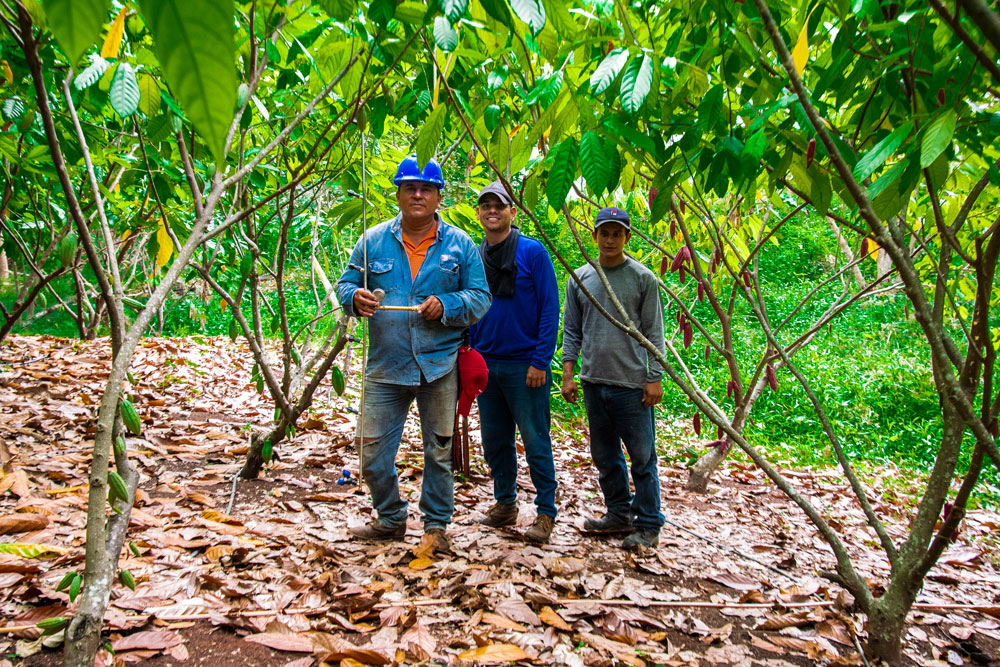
(621, 383)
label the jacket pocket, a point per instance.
(380, 274)
(449, 272)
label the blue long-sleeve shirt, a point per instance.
(523, 327)
(404, 345)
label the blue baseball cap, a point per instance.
(613, 214)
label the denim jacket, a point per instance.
(404, 345)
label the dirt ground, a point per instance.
(736, 579)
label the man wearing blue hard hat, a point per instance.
(425, 286)
(621, 381)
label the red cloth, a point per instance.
(472, 378)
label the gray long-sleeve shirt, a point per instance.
(607, 354)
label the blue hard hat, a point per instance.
(409, 170)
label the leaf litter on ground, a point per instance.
(282, 572)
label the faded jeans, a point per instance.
(386, 406)
(616, 415)
(508, 402)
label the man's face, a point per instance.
(611, 238)
(494, 215)
(418, 199)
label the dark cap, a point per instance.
(612, 214)
(496, 188)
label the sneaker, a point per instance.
(642, 537)
(608, 524)
(376, 531)
(500, 514)
(540, 529)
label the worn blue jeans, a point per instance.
(616, 414)
(386, 406)
(508, 402)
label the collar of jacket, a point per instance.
(396, 226)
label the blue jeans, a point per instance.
(508, 402)
(616, 414)
(386, 406)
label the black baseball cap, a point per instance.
(497, 189)
(613, 214)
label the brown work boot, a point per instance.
(500, 515)
(434, 541)
(376, 531)
(540, 529)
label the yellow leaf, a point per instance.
(32, 550)
(550, 617)
(219, 517)
(420, 563)
(222, 306)
(492, 654)
(166, 246)
(127, 233)
(800, 54)
(113, 41)
(7, 74)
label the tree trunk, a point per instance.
(885, 632)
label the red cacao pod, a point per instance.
(697, 423)
(810, 152)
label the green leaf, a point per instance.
(561, 18)
(594, 162)
(92, 74)
(499, 10)
(887, 179)
(444, 35)
(454, 9)
(149, 91)
(636, 82)
(194, 44)
(492, 116)
(430, 134)
(338, 9)
(937, 136)
(13, 108)
(76, 24)
(562, 173)
(124, 93)
(882, 151)
(531, 12)
(608, 70)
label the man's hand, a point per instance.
(364, 303)
(652, 393)
(431, 309)
(568, 389)
(536, 377)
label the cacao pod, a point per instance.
(941, 97)
(120, 445)
(664, 264)
(126, 578)
(242, 93)
(130, 417)
(134, 549)
(267, 451)
(116, 487)
(772, 380)
(74, 588)
(337, 380)
(708, 350)
(701, 291)
(67, 249)
(697, 423)
(52, 625)
(810, 152)
(66, 580)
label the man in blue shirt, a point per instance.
(415, 260)
(517, 337)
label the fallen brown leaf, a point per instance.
(282, 642)
(493, 654)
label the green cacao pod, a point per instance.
(267, 451)
(126, 578)
(134, 549)
(337, 380)
(130, 417)
(116, 487)
(120, 445)
(54, 624)
(66, 581)
(67, 249)
(74, 588)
